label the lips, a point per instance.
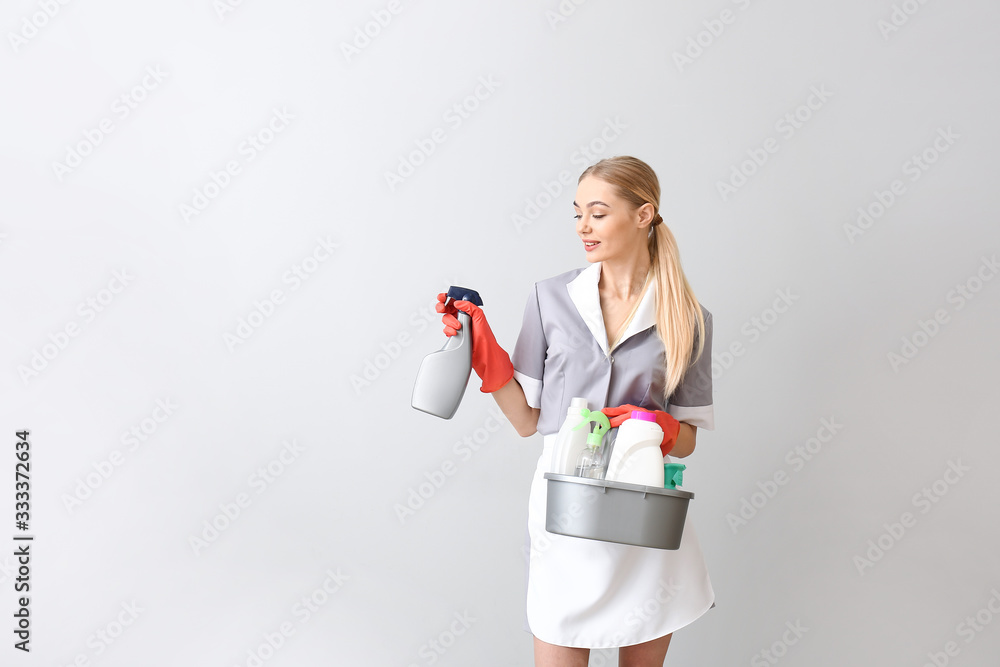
(588, 247)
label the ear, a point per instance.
(646, 214)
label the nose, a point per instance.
(582, 226)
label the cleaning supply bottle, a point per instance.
(590, 463)
(591, 460)
(636, 457)
(444, 374)
(571, 441)
(673, 475)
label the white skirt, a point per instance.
(593, 594)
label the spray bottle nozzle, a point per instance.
(673, 475)
(603, 426)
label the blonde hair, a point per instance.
(679, 319)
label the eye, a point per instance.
(598, 216)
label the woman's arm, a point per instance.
(514, 405)
(685, 441)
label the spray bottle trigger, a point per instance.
(603, 425)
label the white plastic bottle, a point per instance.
(571, 441)
(636, 457)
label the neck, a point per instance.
(624, 279)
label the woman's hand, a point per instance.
(442, 306)
(490, 361)
(670, 426)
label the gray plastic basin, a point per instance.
(599, 509)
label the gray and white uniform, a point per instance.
(587, 593)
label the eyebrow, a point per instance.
(592, 203)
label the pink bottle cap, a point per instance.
(644, 416)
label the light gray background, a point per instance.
(404, 582)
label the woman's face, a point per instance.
(608, 220)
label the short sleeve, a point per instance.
(691, 401)
(529, 352)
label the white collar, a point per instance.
(584, 293)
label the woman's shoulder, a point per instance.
(549, 290)
(557, 283)
(550, 293)
(563, 278)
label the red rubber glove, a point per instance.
(490, 361)
(671, 427)
(445, 306)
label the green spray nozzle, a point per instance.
(603, 426)
(673, 475)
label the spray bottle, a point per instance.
(443, 375)
(591, 460)
(673, 475)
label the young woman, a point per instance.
(625, 331)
